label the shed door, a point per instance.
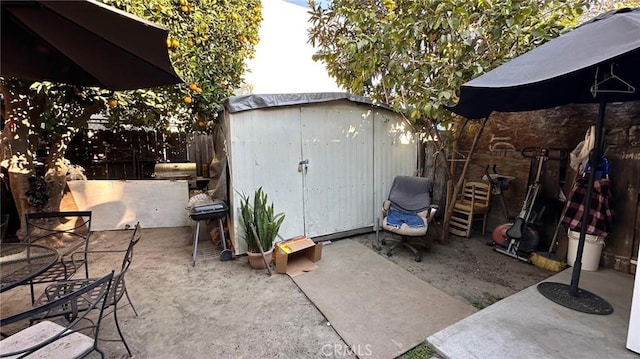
(265, 147)
(338, 183)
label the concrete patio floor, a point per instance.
(227, 310)
(528, 325)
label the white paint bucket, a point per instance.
(591, 252)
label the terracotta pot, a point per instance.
(256, 261)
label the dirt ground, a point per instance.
(227, 310)
(465, 268)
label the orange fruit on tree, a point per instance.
(187, 99)
(175, 43)
(184, 8)
(193, 87)
(112, 103)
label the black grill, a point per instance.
(216, 209)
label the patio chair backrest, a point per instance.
(68, 233)
(59, 229)
(118, 287)
(128, 257)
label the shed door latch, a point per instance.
(304, 164)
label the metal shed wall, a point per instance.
(354, 152)
(395, 153)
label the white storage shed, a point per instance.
(326, 160)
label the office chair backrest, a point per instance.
(410, 193)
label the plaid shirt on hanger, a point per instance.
(600, 220)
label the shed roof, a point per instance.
(253, 102)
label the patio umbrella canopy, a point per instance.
(565, 70)
(597, 62)
(83, 43)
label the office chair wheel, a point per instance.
(383, 242)
(226, 255)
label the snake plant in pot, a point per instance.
(261, 215)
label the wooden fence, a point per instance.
(123, 155)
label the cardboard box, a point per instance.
(297, 255)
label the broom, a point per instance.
(547, 263)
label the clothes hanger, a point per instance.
(595, 87)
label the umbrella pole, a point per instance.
(594, 159)
(571, 296)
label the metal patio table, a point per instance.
(21, 262)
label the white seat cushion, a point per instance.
(70, 346)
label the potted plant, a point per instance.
(266, 223)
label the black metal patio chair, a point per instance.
(118, 287)
(47, 339)
(68, 233)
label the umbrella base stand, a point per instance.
(585, 301)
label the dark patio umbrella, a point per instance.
(83, 43)
(597, 62)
